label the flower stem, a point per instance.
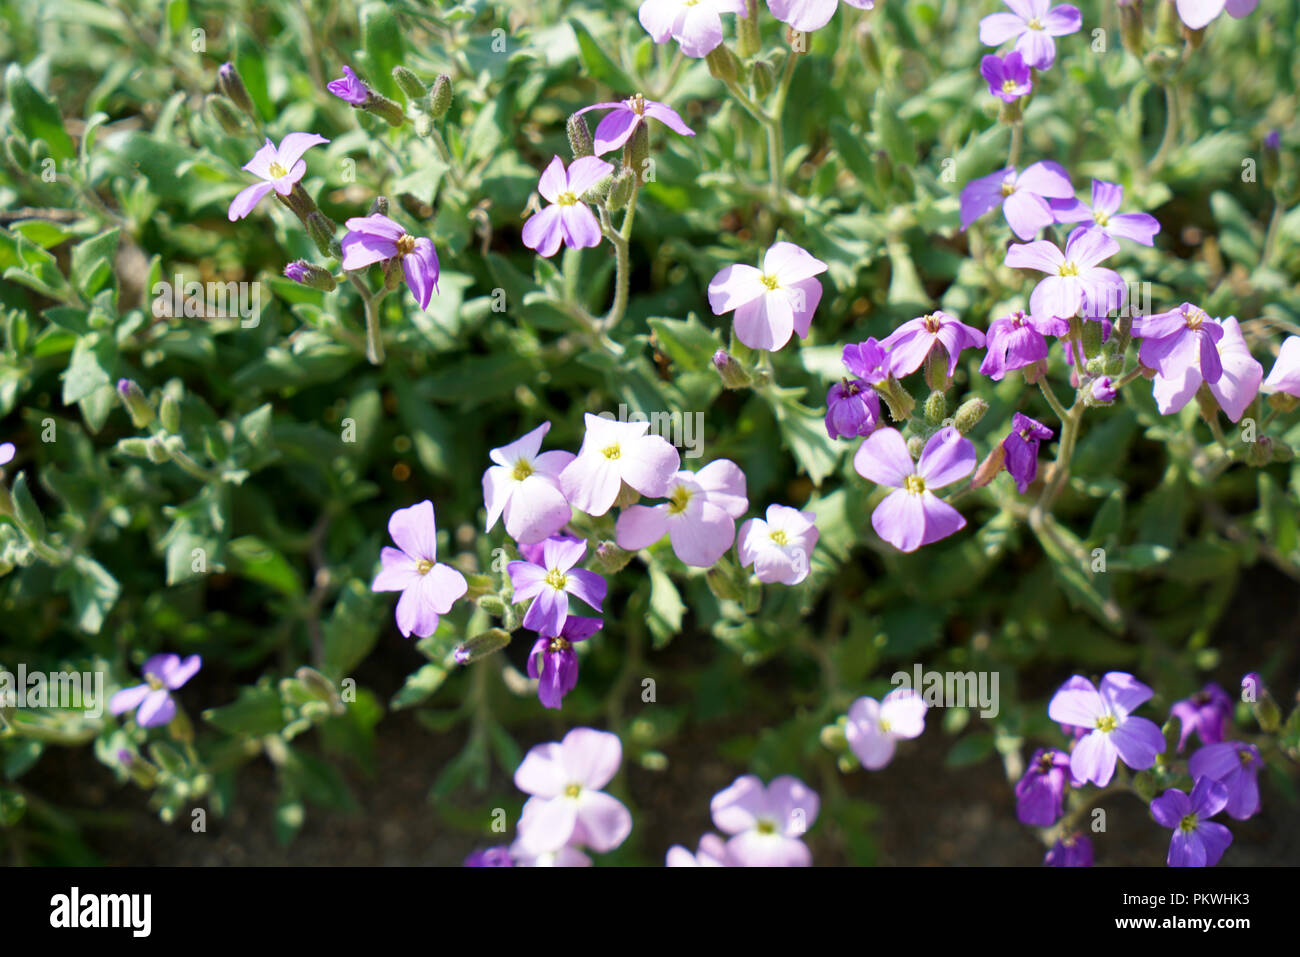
(1171, 128)
(374, 337)
(622, 277)
(1052, 400)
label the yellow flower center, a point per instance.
(1068, 269)
(1107, 723)
(768, 281)
(405, 244)
(566, 199)
(766, 827)
(914, 484)
(154, 682)
(423, 566)
(1194, 318)
(1008, 86)
(932, 323)
(1245, 756)
(884, 725)
(1035, 24)
(560, 644)
(573, 790)
(1102, 219)
(779, 537)
(1187, 824)
(557, 579)
(522, 470)
(678, 500)
(611, 451)
(1008, 188)
(276, 171)
(638, 102)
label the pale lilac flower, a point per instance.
(374, 238)
(910, 343)
(807, 15)
(624, 116)
(772, 302)
(779, 546)
(279, 169)
(1198, 13)
(1205, 713)
(524, 487)
(1236, 766)
(1021, 447)
(1235, 388)
(1104, 214)
(568, 219)
(1072, 851)
(766, 824)
(1172, 341)
(1034, 25)
(1116, 733)
(615, 453)
(1008, 79)
(912, 515)
(567, 806)
(699, 517)
(428, 588)
(867, 360)
(549, 584)
(1023, 196)
(695, 24)
(712, 852)
(1074, 279)
(1040, 794)
(566, 856)
(152, 701)
(852, 409)
(874, 728)
(490, 856)
(1284, 376)
(554, 662)
(1197, 841)
(349, 88)
(1018, 340)
(7, 452)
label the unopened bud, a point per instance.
(763, 78)
(301, 271)
(620, 190)
(481, 645)
(1260, 452)
(493, 604)
(832, 738)
(936, 368)
(156, 452)
(231, 86)
(321, 230)
(721, 580)
(169, 413)
(579, 137)
(611, 559)
(723, 64)
(137, 405)
(135, 447)
(1092, 333)
(637, 151)
(988, 469)
(410, 84)
(969, 414)
(440, 96)
(384, 108)
(225, 116)
(732, 372)
(898, 399)
(936, 408)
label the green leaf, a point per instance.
(256, 713)
(666, 607)
(597, 62)
(419, 685)
(92, 262)
(382, 38)
(351, 631)
(687, 342)
(36, 115)
(252, 558)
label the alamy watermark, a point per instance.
(212, 300)
(952, 689)
(685, 430)
(70, 690)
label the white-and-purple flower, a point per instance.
(279, 168)
(1182, 374)
(874, 728)
(1103, 214)
(567, 806)
(699, 517)
(910, 344)
(1074, 279)
(912, 515)
(428, 588)
(152, 701)
(1114, 732)
(1283, 377)
(523, 487)
(1199, 13)
(614, 453)
(567, 219)
(808, 15)
(696, 25)
(1033, 25)
(772, 302)
(766, 824)
(1017, 341)
(779, 546)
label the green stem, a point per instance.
(1270, 238)
(444, 154)
(374, 337)
(1171, 128)
(1017, 141)
(622, 269)
(1052, 400)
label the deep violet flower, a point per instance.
(912, 515)
(1018, 340)
(867, 361)
(1024, 197)
(1074, 279)
(852, 409)
(550, 583)
(766, 824)
(1204, 713)
(428, 588)
(567, 219)
(1116, 733)
(1021, 448)
(772, 302)
(1034, 26)
(699, 517)
(350, 89)
(624, 116)
(523, 485)
(567, 806)
(1040, 794)
(874, 728)
(375, 238)
(554, 662)
(1075, 850)
(279, 168)
(490, 856)
(1008, 79)
(152, 701)
(779, 546)
(1104, 214)
(1236, 766)
(910, 344)
(1197, 841)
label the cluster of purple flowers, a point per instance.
(1104, 732)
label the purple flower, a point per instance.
(1116, 732)
(695, 24)
(1172, 341)
(1103, 389)
(1273, 140)
(912, 515)
(1104, 214)
(1074, 850)
(807, 15)
(1285, 374)
(349, 88)
(491, 856)
(1197, 841)
(1017, 341)
(910, 343)
(1035, 26)
(524, 486)
(1235, 388)
(375, 238)
(772, 302)
(766, 824)
(568, 218)
(7, 452)
(1008, 79)
(554, 663)
(1021, 447)
(625, 116)
(780, 546)
(852, 409)
(428, 588)
(1235, 766)
(867, 360)
(1205, 713)
(152, 701)
(1040, 794)
(699, 517)
(1198, 13)
(567, 806)
(614, 453)
(279, 169)
(1074, 279)
(874, 728)
(297, 271)
(1022, 196)
(550, 583)
(712, 853)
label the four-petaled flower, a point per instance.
(1024, 197)
(278, 168)
(523, 486)
(695, 24)
(772, 302)
(1021, 448)
(1034, 25)
(612, 454)
(1236, 766)
(766, 824)
(618, 125)
(567, 219)
(1198, 13)
(428, 588)
(550, 583)
(910, 343)
(874, 728)
(1204, 713)
(1074, 279)
(554, 662)
(1008, 79)
(567, 806)
(152, 701)
(1104, 214)
(375, 238)
(808, 15)
(1114, 731)
(1236, 386)
(1017, 341)
(1197, 841)
(699, 516)
(779, 546)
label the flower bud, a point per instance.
(225, 116)
(137, 405)
(936, 368)
(321, 230)
(762, 77)
(637, 151)
(988, 469)
(136, 448)
(620, 189)
(723, 64)
(423, 123)
(169, 413)
(721, 579)
(409, 83)
(1260, 452)
(156, 452)
(969, 414)
(1092, 338)
(915, 446)
(898, 399)
(494, 605)
(732, 372)
(1167, 23)
(384, 108)
(301, 271)
(832, 737)
(1101, 392)
(579, 136)
(440, 96)
(1130, 27)
(481, 645)
(936, 408)
(231, 85)
(611, 559)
